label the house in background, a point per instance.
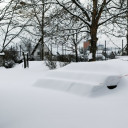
(37, 51)
(100, 47)
(102, 53)
(123, 52)
(86, 45)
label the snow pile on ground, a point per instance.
(84, 78)
(34, 65)
(23, 105)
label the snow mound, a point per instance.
(82, 78)
(26, 106)
(34, 65)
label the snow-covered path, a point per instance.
(23, 105)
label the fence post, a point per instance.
(24, 60)
(27, 61)
(20, 50)
(51, 51)
(105, 50)
(122, 47)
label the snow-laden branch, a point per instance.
(66, 8)
(77, 2)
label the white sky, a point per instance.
(82, 1)
(4, 3)
(101, 39)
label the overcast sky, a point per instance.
(101, 38)
(82, 0)
(3, 3)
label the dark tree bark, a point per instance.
(27, 64)
(76, 53)
(24, 60)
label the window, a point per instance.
(38, 53)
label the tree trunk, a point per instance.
(93, 30)
(76, 53)
(94, 40)
(93, 48)
(27, 61)
(24, 60)
(42, 30)
(42, 49)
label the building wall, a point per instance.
(37, 53)
(86, 45)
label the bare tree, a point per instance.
(11, 25)
(68, 30)
(39, 14)
(94, 14)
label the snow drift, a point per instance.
(83, 78)
(25, 106)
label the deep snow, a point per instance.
(30, 98)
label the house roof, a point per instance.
(39, 43)
(35, 48)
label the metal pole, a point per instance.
(62, 53)
(122, 47)
(57, 48)
(27, 61)
(105, 50)
(65, 49)
(51, 51)
(62, 49)
(57, 52)
(24, 60)
(20, 50)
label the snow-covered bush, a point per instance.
(9, 64)
(51, 64)
(11, 57)
(62, 64)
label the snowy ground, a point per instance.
(75, 96)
